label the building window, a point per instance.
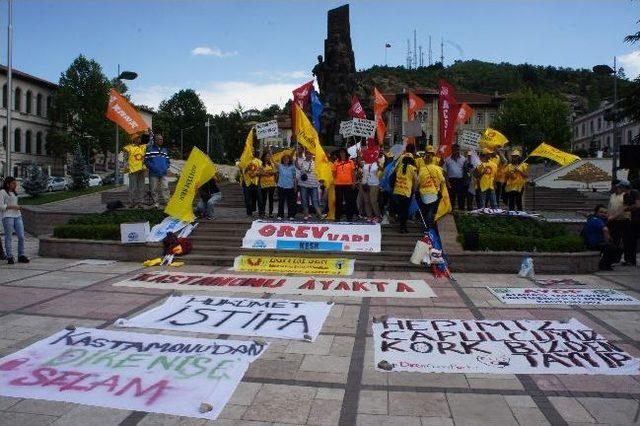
(39, 143)
(583, 129)
(591, 126)
(629, 136)
(4, 96)
(4, 137)
(39, 105)
(423, 115)
(599, 123)
(27, 103)
(17, 101)
(49, 102)
(492, 117)
(480, 120)
(608, 141)
(17, 143)
(27, 142)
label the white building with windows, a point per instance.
(593, 132)
(32, 97)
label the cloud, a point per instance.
(281, 75)
(152, 95)
(212, 51)
(631, 63)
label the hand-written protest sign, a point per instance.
(363, 127)
(294, 265)
(268, 129)
(317, 237)
(362, 287)
(497, 347)
(346, 129)
(469, 139)
(562, 296)
(131, 371)
(284, 319)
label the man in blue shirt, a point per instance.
(596, 237)
(157, 161)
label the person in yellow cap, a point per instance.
(501, 178)
(486, 173)
(251, 178)
(516, 178)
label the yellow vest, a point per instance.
(136, 157)
(430, 178)
(270, 180)
(515, 177)
(251, 172)
(404, 181)
(488, 170)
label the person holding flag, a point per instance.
(515, 180)
(134, 156)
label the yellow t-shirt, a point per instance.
(488, 170)
(270, 180)
(251, 172)
(419, 163)
(435, 160)
(404, 181)
(136, 157)
(515, 177)
(501, 175)
(430, 178)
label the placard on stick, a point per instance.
(268, 129)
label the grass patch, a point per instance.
(105, 226)
(498, 233)
(50, 197)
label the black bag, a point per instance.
(392, 179)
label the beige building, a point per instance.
(592, 131)
(30, 123)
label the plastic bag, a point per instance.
(526, 268)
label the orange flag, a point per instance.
(380, 104)
(121, 112)
(465, 113)
(415, 104)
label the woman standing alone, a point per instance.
(12, 220)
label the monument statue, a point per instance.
(336, 74)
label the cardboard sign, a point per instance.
(283, 319)
(268, 129)
(131, 371)
(346, 129)
(294, 265)
(363, 127)
(362, 287)
(562, 296)
(134, 232)
(412, 128)
(497, 347)
(347, 237)
(469, 140)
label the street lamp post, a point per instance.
(7, 167)
(606, 70)
(124, 75)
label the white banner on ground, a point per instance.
(497, 347)
(562, 296)
(360, 237)
(131, 371)
(268, 129)
(283, 319)
(169, 224)
(362, 287)
(469, 140)
(363, 127)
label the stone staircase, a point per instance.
(562, 200)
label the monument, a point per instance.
(336, 74)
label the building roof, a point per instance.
(28, 77)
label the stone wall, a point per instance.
(109, 250)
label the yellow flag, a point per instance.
(196, 171)
(307, 136)
(547, 151)
(445, 204)
(247, 153)
(492, 139)
(277, 157)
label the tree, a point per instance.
(183, 110)
(78, 110)
(36, 181)
(527, 118)
(79, 170)
(630, 102)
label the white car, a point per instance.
(95, 180)
(57, 183)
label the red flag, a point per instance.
(302, 94)
(465, 113)
(415, 104)
(448, 109)
(380, 104)
(356, 110)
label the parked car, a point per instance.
(95, 180)
(57, 183)
(110, 179)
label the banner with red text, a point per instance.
(448, 111)
(330, 286)
(356, 110)
(361, 237)
(131, 371)
(121, 112)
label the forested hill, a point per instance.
(504, 78)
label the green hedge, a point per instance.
(512, 233)
(88, 232)
(105, 226)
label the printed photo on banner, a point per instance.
(294, 265)
(562, 296)
(131, 371)
(348, 237)
(497, 347)
(283, 319)
(362, 287)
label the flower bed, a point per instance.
(105, 226)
